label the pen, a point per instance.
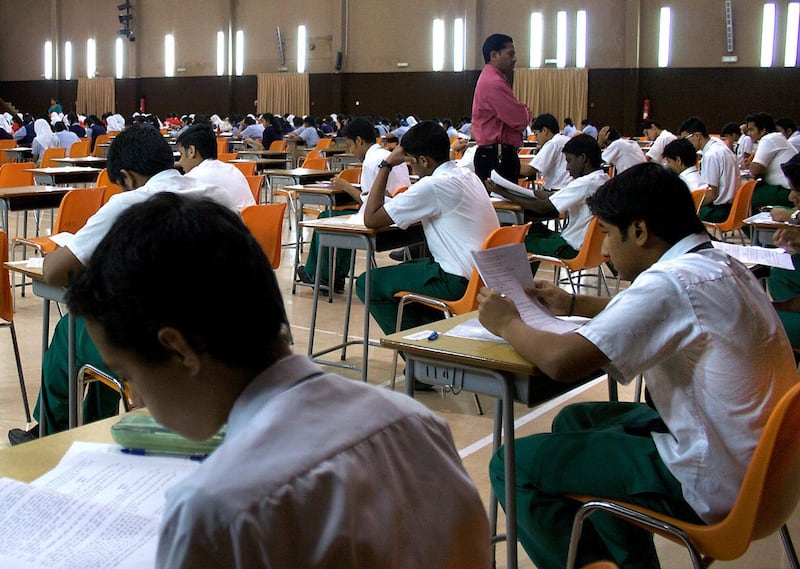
(145, 452)
(433, 335)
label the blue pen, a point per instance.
(145, 452)
(433, 335)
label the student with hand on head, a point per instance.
(315, 470)
(740, 144)
(140, 161)
(773, 150)
(712, 390)
(659, 136)
(549, 161)
(620, 152)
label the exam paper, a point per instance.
(771, 257)
(511, 187)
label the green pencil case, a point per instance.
(139, 433)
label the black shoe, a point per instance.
(419, 386)
(399, 255)
(338, 285)
(18, 436)
(303, 276)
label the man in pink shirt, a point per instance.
(498, 118)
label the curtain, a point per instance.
(560, 92)
(281, 93)
(96, 96)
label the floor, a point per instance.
(472, 433)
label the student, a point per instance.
(659, 136)
(718, 170)
(712, 391)
(361, 142)
(588, 128)
(307, 134)
(198, 149)
(680, 156)
(66, 138)
(788, 129)
(94, 128)
(582, 155)
(773, 150)
(456, 215)
(315, 470)
(740, 144)
(25, 134)
(44, 139)
(569, 128)
(75, 125)
(140, 161)
(620, 152)
(549, 161)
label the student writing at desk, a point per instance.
(315, 470)
(141, 162)
(715, 357)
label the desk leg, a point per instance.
(315, 299)
(511, 475)
(370, 255)
(4, 210)
(348, 304)
(45, 344)
(72, 374)
(496, 441)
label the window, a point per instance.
(220, 53)
(67, 60)
(239, 52)
(561, 39)
(119, 58)
(792, 29)
(48, 59)
(580, 39)
(301, 49)
(91, 58)
(438, 44)
(537, 39)
(768, 35)
(169, 55)
(664, 33)
(458, 44)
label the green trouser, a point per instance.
(767, 194)
(783, 285)
(715, 213)
(544, 241)
(600, 449)
(419, 275)
(100, 401)
(342, 255)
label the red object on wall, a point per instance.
(646, 109)
(142, 105)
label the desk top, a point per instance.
(19, 149)
(264, 153)
(23, 268)
(82, 160)
(259, 161)
(27, 191)
(506, 205)
(301, 172)
(64, 170)
(478, 353)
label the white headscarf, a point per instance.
(115, 123)
(55, 117)
(44, 134)
(5, 123)
(410, 120)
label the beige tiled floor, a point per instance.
(471, 432)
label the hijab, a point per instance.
(44, 134)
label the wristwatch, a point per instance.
(385, 164)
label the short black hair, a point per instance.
(792, 171)
(202, 137)
(427, 138)
(72, 118)
(648, 124)
(731, 128)
(683, 149)
(546, 120)
(612, 134)
(651, 193)
(140, 149)
(694, 124)
(359, 127)
(495, 42)
(59, 126)
(586, 145)
(568, 121)
(134, 285)
(786, 124)
(763, 121)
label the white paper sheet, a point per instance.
(511, 187)
(771, 257)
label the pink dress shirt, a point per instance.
(497, 115)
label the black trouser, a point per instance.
(506, 161)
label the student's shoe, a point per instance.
(399, 255)
(303, 276)
(338, 285)
(18, 436)
(419, 386)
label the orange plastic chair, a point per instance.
(601, 565)
(767, 498)
(740, 210)
(111, 188)
(7, 318)
(352, 175)
(265, 222)
(256, 183)
(526, 150)
(227, 156)
(501, 236)
(589, 257)
(13, 174)
(247, 168)
(6, 144)
(222, 146)
(315, 163)
(313, 154)
(48, 155)
(100, 139)
(79, 149)
(699, 197)
(278, 145)
(88, 374)
(324, 143)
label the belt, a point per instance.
(496, 144)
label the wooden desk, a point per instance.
(261, 163)
(336, 232)
(275, 154)
(19, 154)
(508, 212)
(26, 198)
(65, 175)
(487, 368)
(93, 161)
(296, 176)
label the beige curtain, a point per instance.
(560, 92)
(282, 93)
(96, 96)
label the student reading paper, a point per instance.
(315, 470)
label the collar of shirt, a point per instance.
(684, 246)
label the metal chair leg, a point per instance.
(788, 546)
(22, 389)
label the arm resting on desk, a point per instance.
(541, 206)
(757, 170)
(58, 265)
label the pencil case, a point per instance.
(141, 433)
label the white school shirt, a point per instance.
(656, 152)
(216, 173)
(398, 177)
(571, 200)
(86, 240)
(321, 471)
(718, 168)
(456, 214)
(794, 140)
(622, 154)
(716, 359)
(691, 176)
(773, 150)
(550, 162)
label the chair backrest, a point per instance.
(315, 163)
(313, 154)
(222, 146)
(699, 197)
(11, 143)
(79, 149)
(265, 222)
(591, 252)
(526, 150)
(352, 175)
(247, 168)
(77, 207)
(14, 174)
(49, 154)
(227, 156)
(506, 235)
(6, 301)
(279, 145)
(324, 143)
(255, 182)
(740, 208)
(100, 139)
(111, 188)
